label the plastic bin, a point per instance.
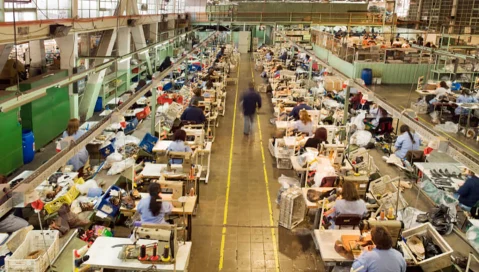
(47, 241)
(148, 142)
(99, 104)
(54, 205)
(437, 262)
(28, 142)
(367, 76)
(104, 205)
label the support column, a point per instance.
(154, 33)
(37, 57)
(94, 82)
(139, 39)
(124, 48)
(5, 50)
(68, 55)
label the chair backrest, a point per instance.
(347, 220)
(329, 181)
(385, 125)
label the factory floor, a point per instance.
(401, 96)
(236, 224)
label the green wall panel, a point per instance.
(11, 151)
(48, 116)
(393, 73)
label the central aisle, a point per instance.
(250, 233)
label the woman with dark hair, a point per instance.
(209, 85)
(465, 97)
(165, 64)
(441, 91)
(383, 258)
(179, 145)
(197, 96)
(320, 136)
(406, 142)
(151, 209)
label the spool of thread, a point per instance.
(79, 262)
(192, 191)
(142, 256)
(155, 256)
(80, 252)
(165, 257)
(381, 215)
(83, 269)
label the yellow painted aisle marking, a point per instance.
(228, 183)
(270, 208)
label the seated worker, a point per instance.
(80, 159)
(198, 97)
(355, 101)
(269, 55)
(465, 97)
(301, 106)
(377, 113)
(441, 90)
(284, 56)
(304, 125)
(151, 209)
(179, 145)
(468, 193)
(165, 64)
(193, 114)
(406, 142)
(208, 85)
(277, 71)
(350, 203)
(383, 258)
(320, 136)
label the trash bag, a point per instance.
(440, 197)
(472, 236)
(358, 120)
(447, 127)
(361, 138)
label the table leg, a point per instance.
(190, 228)
(303, 179)
(317, 216)
(198, 191)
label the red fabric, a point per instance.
(164, 98)
(37, 205)
(428, 150)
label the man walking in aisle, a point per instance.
(251, 99)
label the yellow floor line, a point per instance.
(270, 207)
(448, 136)
(228, 183)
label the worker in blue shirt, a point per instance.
(465, 97)
(406, 142)
(179, 145)
(383, 258)
(193, 114)
(151, 209)
(468, 193)
(301, 106)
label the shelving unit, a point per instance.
(114, 85)
(136, 72)
(443, 66)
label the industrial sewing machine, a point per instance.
(395, 228)
(335, 152)
(186, 162)
(163, 249)
(176, 189)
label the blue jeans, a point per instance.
(464, 207)
(248, 124)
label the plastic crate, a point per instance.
(419, 108)
(292, 208)
(284, 163)
(437, 262)
(271, 147)
(54, 205)
(47, 241)
(148, 142)
(382, 186)
(104, 204)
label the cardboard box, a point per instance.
(332, 83)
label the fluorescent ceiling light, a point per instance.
(21, 100)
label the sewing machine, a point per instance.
(173, 187)
(186, 158)
(395, 228)
(163, 251)
(195, 134)
(335, 152)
